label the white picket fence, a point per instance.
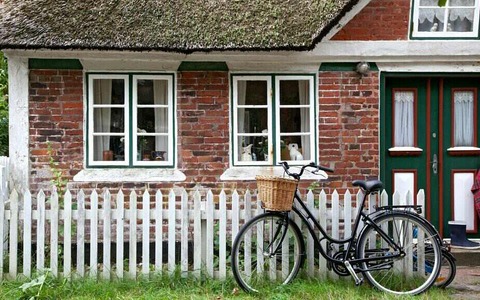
(195, 231)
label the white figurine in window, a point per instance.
(294, 152)
(434, 27)
(247, 153)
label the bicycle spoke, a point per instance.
(407, 274)
(273, 249)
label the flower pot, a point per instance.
(108, 155)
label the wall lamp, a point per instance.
(362, 68)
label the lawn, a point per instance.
(181, 288)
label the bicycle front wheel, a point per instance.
(267, 252)
(409, 270)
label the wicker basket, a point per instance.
(276, 193)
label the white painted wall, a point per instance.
(18, 122)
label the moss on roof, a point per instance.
(175, 25)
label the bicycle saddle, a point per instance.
(370, 186)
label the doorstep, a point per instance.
(466, 257)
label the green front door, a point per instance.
(429, 141)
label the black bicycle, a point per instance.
(396, 250)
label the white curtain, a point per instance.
(102, 93)
(404, 119)
(160, 97)
(304, 97)
(463, 106)
(241, 95)
(241, 91)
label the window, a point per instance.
(273, 119)
(463, 115)
(404, 118)
(130, 126)
(458, 18)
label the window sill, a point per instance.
(131, 175)
(405, 151)
(249, 173)
(463, 151)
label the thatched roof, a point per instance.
(168, 25)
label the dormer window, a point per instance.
(457, 19)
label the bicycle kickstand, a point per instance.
(358, 281)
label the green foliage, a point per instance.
(3, 106)
(58, 180)
(42, 287)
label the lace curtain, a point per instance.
(463, 107)
(404, 119)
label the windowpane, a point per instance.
(109, 148)
(252, 92)
(252, 148)
(295, 147)
(431, 19)
(294, 120)
(252, 120)
(153, 120)
(404, 118)
(429, 2)
(152, 92)
(460, 19)
(461, 2)
(463, 110)
(108, 91)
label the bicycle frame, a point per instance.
(361, 215)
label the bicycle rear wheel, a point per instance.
(402, 272)
(267, 252)
(448, 270)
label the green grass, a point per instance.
(179, 288)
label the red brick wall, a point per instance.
(203, 106)
(56, 118)
(348, 127)
(379, 20)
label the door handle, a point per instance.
(435, 164)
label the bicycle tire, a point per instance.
(401, 275)
(254, 267)
(448, 270)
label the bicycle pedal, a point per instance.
(358, 281)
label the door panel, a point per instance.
(437, 158)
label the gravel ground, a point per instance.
(466, 284)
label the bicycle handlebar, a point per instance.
(297, 176)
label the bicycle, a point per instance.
(270, 249)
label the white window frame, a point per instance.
(444, 34)
(311, 107)
(268, 80)
(91, 106)
(273, 107)
(169, 133)
(130, 105)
